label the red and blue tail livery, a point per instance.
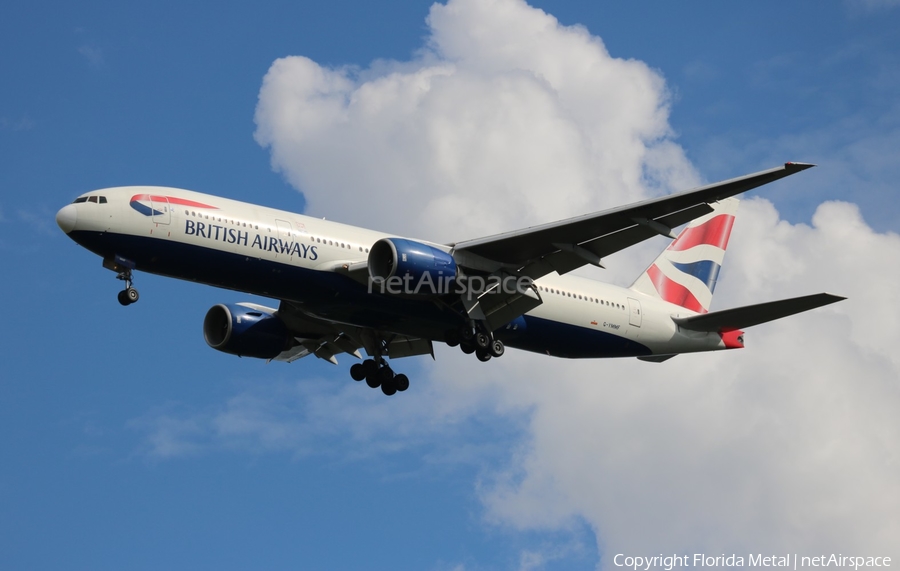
(685, 274)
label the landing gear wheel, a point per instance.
(131, 294)
(358, 372)
(389, 387)
(482, 355)
(467, 348)
(128, 296)
(373, 379)
(466, 333)
(401, 381)
(482, 340)
(497, 348)
(451, 338)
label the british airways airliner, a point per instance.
(342, 288)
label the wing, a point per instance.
(568, 244)
(326, 339)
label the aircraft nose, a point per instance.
(66, 218)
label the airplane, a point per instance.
(342, 288)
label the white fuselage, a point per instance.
(284, 255)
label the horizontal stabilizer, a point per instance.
(750, 315)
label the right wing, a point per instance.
(569, 244)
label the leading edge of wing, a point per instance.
(520, 246)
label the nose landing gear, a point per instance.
(128, 295)
(123, 269)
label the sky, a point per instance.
(127, 443)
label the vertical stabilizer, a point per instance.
(686, 272)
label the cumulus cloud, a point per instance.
(507, 118)
(504, 118)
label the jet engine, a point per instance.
(245, 331)
(424, 264)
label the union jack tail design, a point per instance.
(685, 273)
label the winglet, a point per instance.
(797, 167)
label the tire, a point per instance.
(132, 295)
(373, 380)
(385, 375)
(483, 355)
(451, 338)
(401, 381)
(482, 341)
(497, 348)
(123, 299)
(370, 367)
(358, 372)
(466, 333)
(389, 388)
(467, 348)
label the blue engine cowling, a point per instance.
(390, 257)
(245, 331)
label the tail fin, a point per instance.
(686, 272)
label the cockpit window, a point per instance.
(94, 199)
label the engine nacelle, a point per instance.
(390, 257)
(245, 331)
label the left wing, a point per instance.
(326, 339)
(569, 244)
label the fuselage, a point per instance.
(287, 256)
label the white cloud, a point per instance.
(507, 118)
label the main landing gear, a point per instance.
(128, 295)
(476, 339)
(377, 373)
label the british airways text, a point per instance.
(242, 237)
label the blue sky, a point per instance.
(108, 458)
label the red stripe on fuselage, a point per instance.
(714, 232)
(673, 292)
(171, 200)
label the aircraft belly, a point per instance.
(325, 294)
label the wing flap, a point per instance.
(750, 315)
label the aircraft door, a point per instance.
(634, 312)
(159, 206)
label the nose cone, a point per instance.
(67, 217)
